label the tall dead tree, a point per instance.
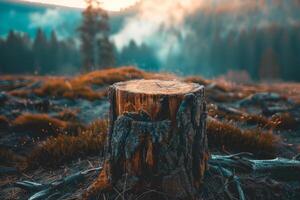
(157, 137)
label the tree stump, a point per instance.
(157, 136)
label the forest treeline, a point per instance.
(270, 52)
(20, 54)
(90, 50)
(48, 55)
(273, 54)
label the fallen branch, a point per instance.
(53, 189)
(278, 168)
(229, 175)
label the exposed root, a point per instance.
(230, 177)
(278, 168)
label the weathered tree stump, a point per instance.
(157, 136)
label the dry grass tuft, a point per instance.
(4, 123)
(63, 88)
(226, 136)
(110, 76)
(39, 124)
(68, 115)
(62, 148)
(197, 79)
(248, 119)
(81, 86)
(284, 121)
(20, 93)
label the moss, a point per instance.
(39, 124)
(226, 136)
(63, 148)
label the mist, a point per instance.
(207, 36)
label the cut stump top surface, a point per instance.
(157, 87)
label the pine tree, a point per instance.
(106, 53)
(40, 47)
(53, 51)
(96, 49)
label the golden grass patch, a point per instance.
(65, 88)
(110, 76)
(39, 124)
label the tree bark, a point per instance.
(157, 137)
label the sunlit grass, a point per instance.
(39, 124)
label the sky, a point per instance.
(112, 5)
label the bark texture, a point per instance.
(158, 139)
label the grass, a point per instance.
(39, 124)
(248, 119)
(63, 148)
(197, 79)
(226, 136)
(83, 86)
(68, 115)
(110, 76)
(63, 88)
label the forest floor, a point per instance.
(52, 127)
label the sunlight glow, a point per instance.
(112, 5)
